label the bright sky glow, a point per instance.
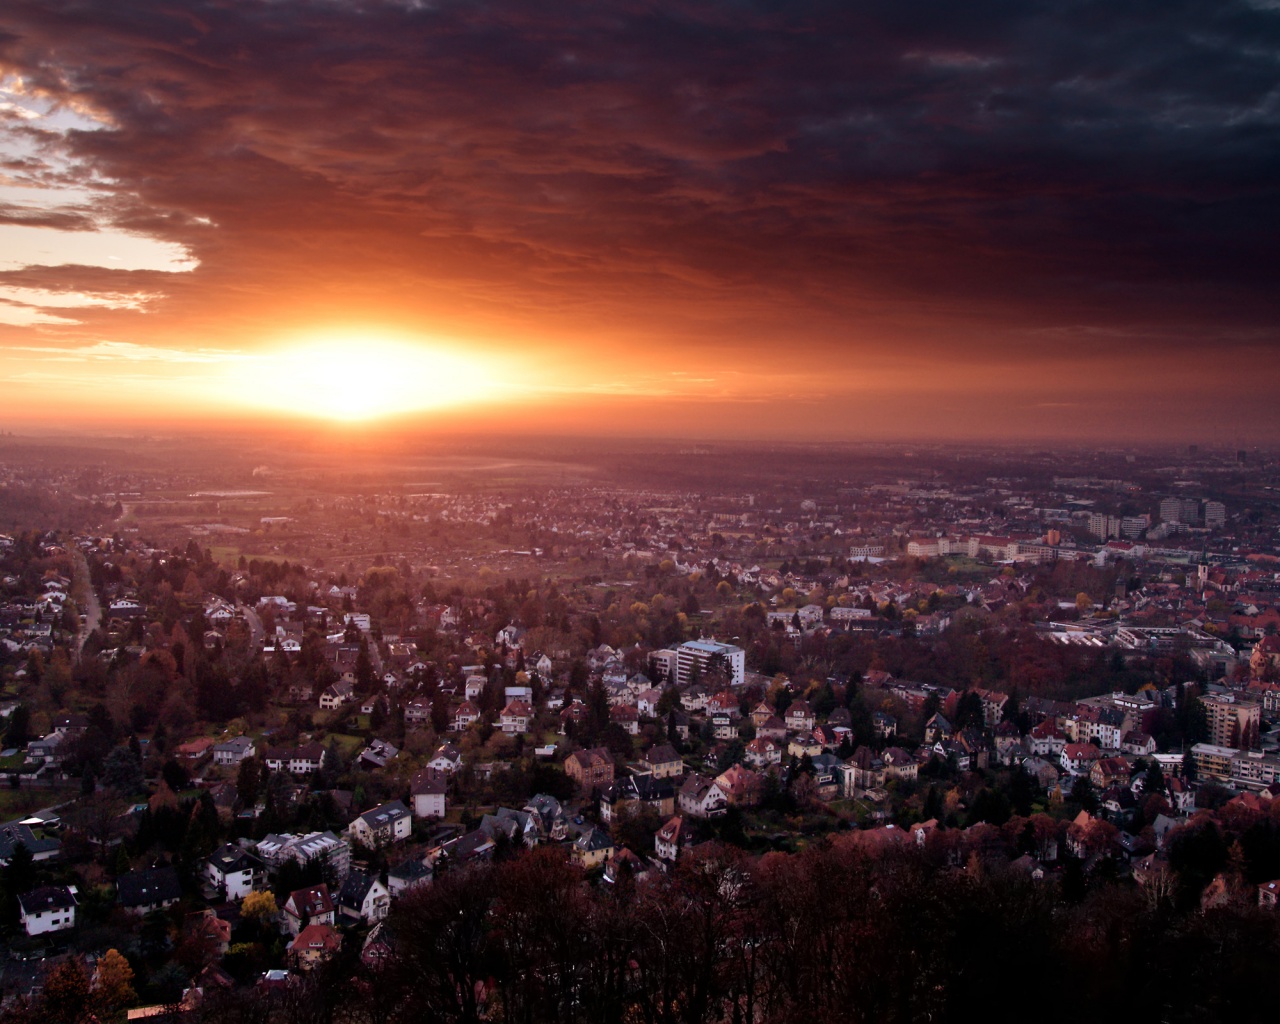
(361, 378)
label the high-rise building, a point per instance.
(701, 653)
(1232, 722)
(1180, 510)
(1215, 514)
(1103, 526)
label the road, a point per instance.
(92, 610)
(256, 631)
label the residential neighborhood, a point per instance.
(265, 756)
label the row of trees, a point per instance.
(828, 934)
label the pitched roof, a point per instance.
(48, 897)
(150, 885)
(310, 902)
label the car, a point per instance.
(578, 820)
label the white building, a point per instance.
(276, 849)
(386, 823)
(701, 652)
(50, 908)
(234, 872)
(233, 751)
(428, 789)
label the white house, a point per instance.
(363, 897)
(234, 872)
(428, 789)
(50, 908)
(516, 717)
(386, 823)
(446, 759)
(701, 797)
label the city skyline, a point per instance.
(801, 222)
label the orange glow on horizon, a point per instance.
(354, 377)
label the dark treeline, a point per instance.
(829, 934)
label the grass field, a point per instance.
(16, 803)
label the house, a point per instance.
(799, 717)
(647, 702)
(1268, 895)
(516, 717)
(303, 760)
(193, 750)
(624, 863)
(520, 827)
(701, 797)
(884, 724)
(233, 751)
(417, 713)
(773, 728)
(427, 789)
(741, 786)
(549, 816)
(663, 762)
(667, 840)
(803, 745)
(937, 728)
(14, 832)
(574, 714)
(466, 714)
(234, 872)
(627, 716)
(412, 874)
(386, 823)
(314, 945)
(150, 889)
(899, 764)
(590, 769)
(1008, 743)
(313, 905)
(634, 792)
(1109, 771)
(1079, 758)
(1045, 774)
(1138, 744)
(592, 849)
(336, 695)
(760, 714)
(363, 898)
(761, 753)
(51, 908)
(209, 930)
(993, 705)
(864, 770)
(377, 754)
(1046, 740)
(446, 759)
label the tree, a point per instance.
(249, 781)
(259, 906)
(122, 771)
(17, 732)
(378, 717)
(113, 985)
(66, 994)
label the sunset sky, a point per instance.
(795, 219)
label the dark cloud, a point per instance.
(722, 174)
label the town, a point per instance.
(259, 714)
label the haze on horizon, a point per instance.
(729, 219)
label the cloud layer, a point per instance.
(874, 191)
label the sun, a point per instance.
(363, 378)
